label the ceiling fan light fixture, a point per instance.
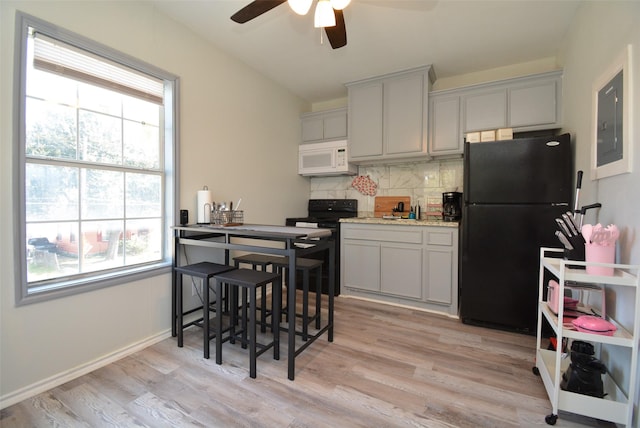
(324, 16)
(340, 4)
(301, 7)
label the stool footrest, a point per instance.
(258, 259)
(261, 347)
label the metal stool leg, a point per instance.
(318, 296)
(178, 325)
(205, 321)
(276, 303)
(283, 274)
(218, 323)
(252, 333)
(174, 303)
(244, 318)
(263, 309)
(233, 312)
(305, 305)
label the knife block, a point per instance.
(577, 253)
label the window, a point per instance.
(96, 164)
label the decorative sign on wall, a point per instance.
(612, 127)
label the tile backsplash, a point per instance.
(424, 182)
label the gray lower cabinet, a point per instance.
(360, 264)
(405, 264)
(441, 261)
(401, 269)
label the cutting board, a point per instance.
(384, 205)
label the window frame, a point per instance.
(91, 280)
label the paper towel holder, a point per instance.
(204, 203)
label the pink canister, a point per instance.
(599, 254)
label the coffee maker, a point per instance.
(451, 206)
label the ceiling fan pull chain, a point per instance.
(321, 36)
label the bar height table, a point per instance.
(236, 237)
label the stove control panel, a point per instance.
(317, 206)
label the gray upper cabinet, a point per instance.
(535, 103)
(445, 135)
(525, 104)
(485, 110)
(387, 116)
(404, 114)
(324, 126)
(365, 120)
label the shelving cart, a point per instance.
(616, 406)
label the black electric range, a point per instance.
(326, 214)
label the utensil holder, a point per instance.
(599, 254)
(227, 218)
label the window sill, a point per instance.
(69, 288)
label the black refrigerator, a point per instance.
(513, 191)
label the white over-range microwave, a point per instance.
(326, 158)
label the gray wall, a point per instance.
(238, 135)
(599, 33)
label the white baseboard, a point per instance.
(67, 375)
(399, 305)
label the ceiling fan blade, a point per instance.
(255, 9)
(337, 35)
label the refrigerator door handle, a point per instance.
(464, 232)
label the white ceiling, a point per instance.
(455, 36)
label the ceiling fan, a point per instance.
(328, 15)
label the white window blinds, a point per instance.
(69, 61)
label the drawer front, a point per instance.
(406, 235)
(440, 237)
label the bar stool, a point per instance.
(305, 266)
(259, 261)
(249, 281)
(204, 271)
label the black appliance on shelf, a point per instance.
(326, 213)
(513, 191)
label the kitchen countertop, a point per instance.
(399, 221)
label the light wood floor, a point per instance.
(387, 367)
